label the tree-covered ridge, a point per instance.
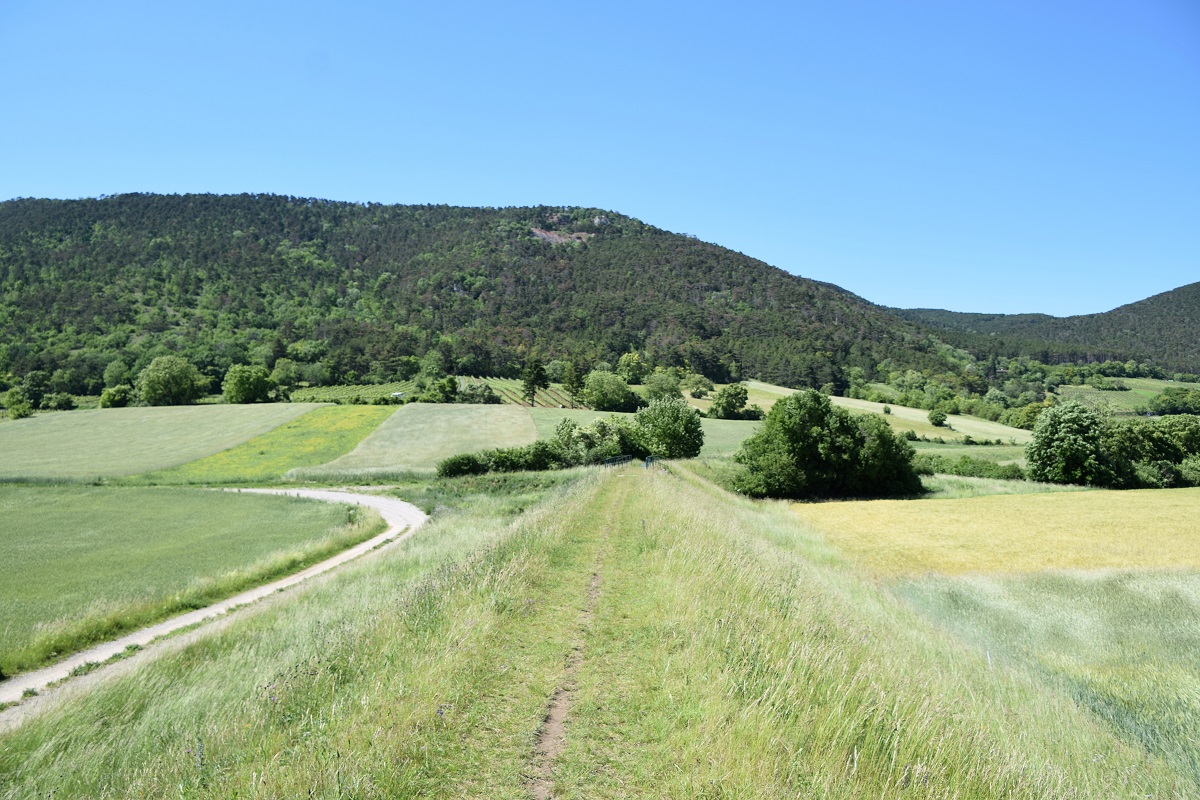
(1163, 327)
(354, 292)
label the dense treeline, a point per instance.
(1162, 327)
(350, 292)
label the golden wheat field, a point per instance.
(1152, 528)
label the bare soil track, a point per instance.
(552, 735)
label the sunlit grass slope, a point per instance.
(1153, 528)
(710, 647)
(82, 564)
(419, 435)
(321, 435)
(1139, 393)
(900, 418)
(123, 441)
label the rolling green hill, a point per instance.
(1162, 327)
(356, 292)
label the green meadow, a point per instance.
(1140, 391)
(111, 442)
(321, 435)
(419, 435)
(694, 644)
(83, 564)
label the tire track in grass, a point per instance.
(552, 735)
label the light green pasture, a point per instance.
(85, 563)
(110, 442)
(1124, 643)
(1140, 392)
(419, 435)
(317, 437)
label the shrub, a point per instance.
(809, 448)
(662, 385)
(1189, 471)
(58, 401)
(117, 396)
(464, 464)
(929, 463)
(478, 394)
(247, 384)
(730, 403)
(696, 385)
(17, 403)
(937, 418)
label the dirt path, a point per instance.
(402, 520)
(552, 735)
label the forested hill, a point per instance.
(1165, 327)
(357, 289)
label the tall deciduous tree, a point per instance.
(170, 381)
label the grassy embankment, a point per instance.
(1095, 593)
(700, 644)
(112, 442)
(85, 564)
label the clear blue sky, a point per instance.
(990, 155)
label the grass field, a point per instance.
(82, 445)
(82, 564)
(901, 418)
(1015, 533)
(320, 436)
(419, 435)
(1001, 454)
(1141, 390)
(1124, 643)
(697, 645)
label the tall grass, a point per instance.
(726, 653)
(1125, 644)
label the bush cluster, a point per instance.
(667, 428)
(929, 463)
(1076, 444)
(809, 448)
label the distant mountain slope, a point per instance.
(1165, 327)
(356, 289)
